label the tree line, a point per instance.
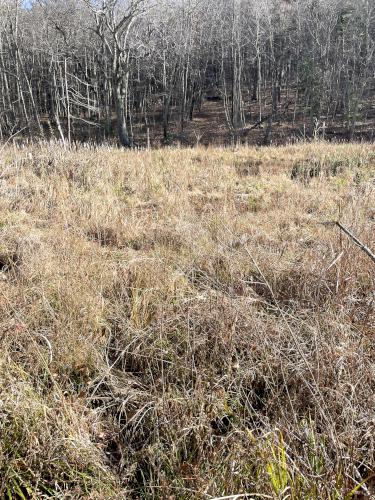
(123, 69)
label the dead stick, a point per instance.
(356, 241)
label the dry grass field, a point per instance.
(182, 323)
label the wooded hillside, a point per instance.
(188, 71)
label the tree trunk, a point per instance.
(122, 129)
(120, 94)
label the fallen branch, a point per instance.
(354, 238)
(282, 112)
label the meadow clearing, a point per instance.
(187, 323)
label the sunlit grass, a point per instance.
(182, 323)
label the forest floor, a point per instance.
(292, 124)
(208, 126)
(187, 323)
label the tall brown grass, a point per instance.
(180, 323)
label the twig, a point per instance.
(12, 137)
(245, 495)
(356, 241)
(49, 345)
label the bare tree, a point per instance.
(72, 69)
(114, 21)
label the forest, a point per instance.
(154, 72)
